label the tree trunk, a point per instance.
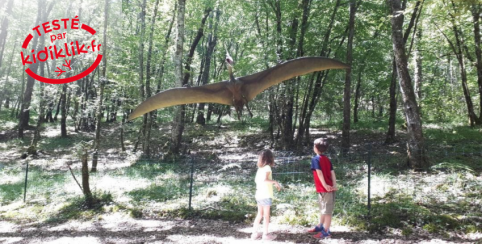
(194, 44)
(41, 109)
(145, 145)
(63, 106)
(58, 108)
(76, 108)
(315, 87)
(416, 147)
(178, 126)
(212, 40)
(166, 44)
(274, 118)
(306, 4)
(457, 49)
(123, 148)
(200, 33)
(103, 81)
(345, 137)
(210, 111)
(317, 90)
(263, 41)
(4, 29)
(89, 199)
(418, 69)
(36, 136)
(142, 135)
(476, 11)
(286, 94)
(393, 84)
(357, 98)
(358, 85)
(15, 112)
(27, 96)
(6, 88)
(393, 106)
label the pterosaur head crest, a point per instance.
(229, 60)
(230, 63)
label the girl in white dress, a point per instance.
(264, 193)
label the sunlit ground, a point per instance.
(116, 228)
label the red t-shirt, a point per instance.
(322, 163)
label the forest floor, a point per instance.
(118, 228)
(214, 144)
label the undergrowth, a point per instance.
(446, 198)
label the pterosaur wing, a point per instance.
(258, 82)
(211, 93)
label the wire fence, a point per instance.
(374, 176)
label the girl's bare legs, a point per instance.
(266, 212)
(257, 220)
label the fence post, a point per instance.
(369, 177)
(190, 187)
(25, 190)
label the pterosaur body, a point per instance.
(238, 91)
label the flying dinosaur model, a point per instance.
(238, 91)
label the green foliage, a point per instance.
(135, 213)
(9, 192)
(431, 228)
(58, 144)
(452, 133)
(405, 215)
(152, 169)
(444, 221)
(453, 167)
(76, 208)
(40, 183)
(159, 192)
(407, 232)
(7, 122)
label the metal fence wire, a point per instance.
(370, 175)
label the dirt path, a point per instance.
(118, 228)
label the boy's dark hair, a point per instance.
(265, 158)
(321, 145)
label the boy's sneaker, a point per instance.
(268, 237)
(316, 229)
(255, 235)
(323, 234)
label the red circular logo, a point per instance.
(68, 50)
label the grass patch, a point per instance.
(152, 169)
(451, 134)
(40, 184)
(55, 144)
(76, 208)
(8, 123)
(160, 192)
(185, 213)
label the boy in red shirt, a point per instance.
(325, 182)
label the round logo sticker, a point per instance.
(65, 51)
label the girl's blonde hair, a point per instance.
(265, 157)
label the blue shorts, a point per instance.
(264, 202)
